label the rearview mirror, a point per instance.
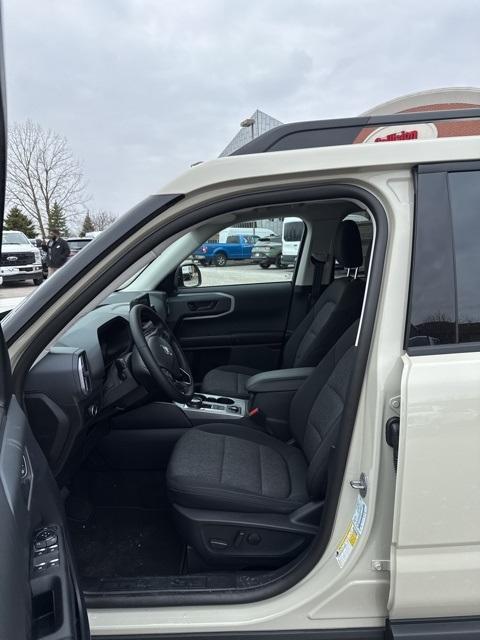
(188, 275)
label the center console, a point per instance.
(202, 405)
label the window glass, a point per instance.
(249, 254)
(464, 190)
(432, 295)
(14, 237)
(445, 292)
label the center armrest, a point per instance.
(278, 380)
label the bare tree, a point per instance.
(42, 170)
(102, 219)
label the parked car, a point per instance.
(19, 260)
(292, 233)
(268, 251)
(236, 247)
(77, 244)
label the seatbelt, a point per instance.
(318, 260)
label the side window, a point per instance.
(464, 190)
(249, 254)
(444, 292)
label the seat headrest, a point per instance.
(348, 245)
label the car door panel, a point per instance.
(39, 593)
(250, 334)
(199, 306)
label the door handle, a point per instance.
(206, 305)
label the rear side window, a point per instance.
(445, 283)
(464, 189)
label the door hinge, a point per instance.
(380, 565)
(395, 404)
(361, 484)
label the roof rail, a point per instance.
(327, 133)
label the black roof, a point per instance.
(327, 133)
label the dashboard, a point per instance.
(85, 377)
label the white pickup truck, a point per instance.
(19, 260)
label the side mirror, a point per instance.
(188, 275)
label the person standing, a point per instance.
(57, 251)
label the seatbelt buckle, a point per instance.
(257, 416)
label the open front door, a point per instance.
(39, 594)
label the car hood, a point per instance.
(17, 248)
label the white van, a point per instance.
(261, 232)
(292, 233)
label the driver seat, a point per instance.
(244, 497)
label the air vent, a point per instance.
(83, 374)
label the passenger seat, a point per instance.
(336, 309)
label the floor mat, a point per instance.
(126, 543)
(128, 529)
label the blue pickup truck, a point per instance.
(236, 247)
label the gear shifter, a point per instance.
(196, 402)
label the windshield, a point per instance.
(14, 237)
(76, 245)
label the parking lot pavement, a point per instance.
(11, 295)
(16, 291)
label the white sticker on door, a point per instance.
(354, 531)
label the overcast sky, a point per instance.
(143, 88)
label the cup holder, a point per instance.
(225, 401)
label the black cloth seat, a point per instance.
(222, 467)
(225, 467)
(339, 305)
(230, 381)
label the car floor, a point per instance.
(121, 524)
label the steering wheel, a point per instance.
(160, 353)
